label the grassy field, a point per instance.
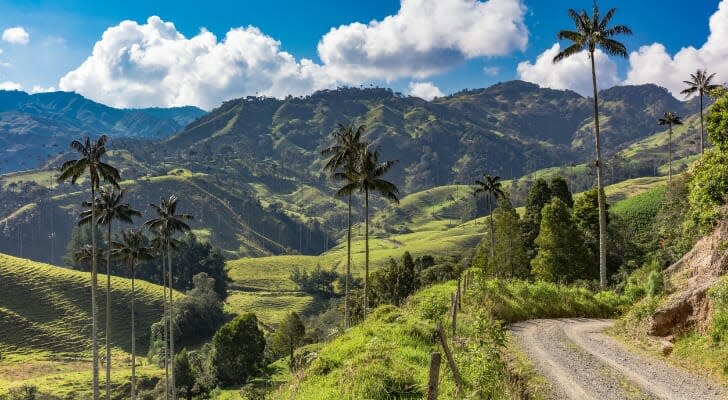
(45, 325)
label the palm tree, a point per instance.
(91, 155)
(492, 188)
(131, 249)
(670, 119)
(168, 222)
(157, 244)
(592, 32)
(344, 154)
(700, 82)
(106, 209)
(367, 177)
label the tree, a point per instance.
(718, 121)
(238, 348)
(701, 83)
(185, 375)
(395, 282)
(79, 244)
(168, 222)
(131, 249)
(492, 188)
(90, 161)
(560, 188)
(288, 336)
(670, 119)
(366, 178)
(106, 208)
(510, 250)
(592, 33)
(561, 255)
(538, 196)
(344, 159)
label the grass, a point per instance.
(639, 212)
(269, 307)
(45, 326)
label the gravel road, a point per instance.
(583, 363)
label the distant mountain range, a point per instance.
(36, 127)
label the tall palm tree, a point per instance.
(90, 161)
(131, 249)
(700, 82)
(108, 207)
(592, 33)
(670, 119)
(493, 190)
(345, 153)
(157, 245)
(168, 222)
(365, 178)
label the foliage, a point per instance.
(562, 255)
(237, 349)
(675, 230)
(708, 188)
(184, 376)
(395, 282)
(509, 258)
(717, 123)
(318, 281)
(289, 335)
(80, 238)
(560, 188)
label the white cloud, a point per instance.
(425, 37)
(652, 63)
(9, 85)
(491, 71)
(41, 89)
(572, 73)
(425, 90)
(16, 35)
(153, 64)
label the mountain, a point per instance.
(35, 127)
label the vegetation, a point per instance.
(700, 83)
(237, 349)
(670, 119)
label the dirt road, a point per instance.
(583, 363)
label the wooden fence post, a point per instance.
(434, 380)
(454, 312)
(460, 296)
(450, 361)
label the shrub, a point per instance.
(237, 349)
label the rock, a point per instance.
(666, 348)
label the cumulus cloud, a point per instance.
(491, 71)
(40, 89)
(653, 64)
(425, 37)
(425, 90)
(10, 85)
(16, 35)
(153, 64)
(572, 73)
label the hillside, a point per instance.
(37, 127)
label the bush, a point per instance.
(319, 281)
(237, 350)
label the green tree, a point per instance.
(131, 249)
(79, 244)
(510, 251)
(342, 165)
(701, 83)
(366, 178)
(562, 255)
(91, 162)
(538, 196)
(395, 282)
(108, 208)
(592, 33)
(167, 223)
(560, 188)
(670, 119)
(718, 121)
(492, 188)
(238, 348)
(289, 335)
(185, 374)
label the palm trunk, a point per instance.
(166, 326)
(94, 314)
(490, 218)
(133, 334)
(366, 252)
(600, 187)
(171, 324)
(348, 268)
(702, 130)
(669, 156)
(108, 311)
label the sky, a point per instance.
(172, 53)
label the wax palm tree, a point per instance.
(365, 178)
(106, 209)
(592, 33)
(168, 222)
(493, 190)
(158, 246)
(344, 152)
(131, 249)
(669, 119)
(90, 161)
(701, 83)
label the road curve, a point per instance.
(583, 363)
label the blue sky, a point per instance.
(419, 52)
